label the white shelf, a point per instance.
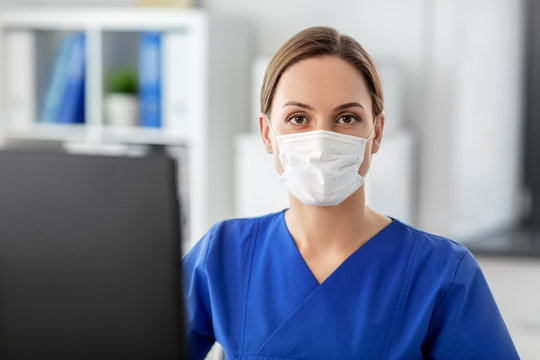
(50, 132)
(141, 135)
(98, 23)
(91, 134)
(107, 19)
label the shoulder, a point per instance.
(431, 248)
(447, 282)
(435, 262)
(446, 293)
(242, 227)
(231, 237)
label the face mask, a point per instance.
(321, 167)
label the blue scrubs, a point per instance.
(404, 294)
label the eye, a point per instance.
(347, 119)
(298, 119)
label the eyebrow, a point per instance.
(349, 105)
(299, 104)
(340, 107)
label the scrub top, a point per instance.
(404, 294)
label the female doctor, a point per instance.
(330, 278)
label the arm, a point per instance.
(466, 324)
(200, 334)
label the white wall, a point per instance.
(469, 175)
(389, 29)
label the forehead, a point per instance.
(320, 82)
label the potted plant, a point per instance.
(121, 100)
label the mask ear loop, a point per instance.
(270, 125)
(280, 155)
(372, 130)
(368, 139)
(367, 177)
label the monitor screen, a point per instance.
(89, 257)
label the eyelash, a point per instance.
(355, 117)
(290, 118)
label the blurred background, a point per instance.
(461, 80)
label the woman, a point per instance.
(329, 278)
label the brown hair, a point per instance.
(320, 41)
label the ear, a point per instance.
(264, 129)
(377, 137)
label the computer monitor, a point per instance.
(89, 257)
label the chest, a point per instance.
(355, 310)
(323, 265)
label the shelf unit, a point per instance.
(97, 24)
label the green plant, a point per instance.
(122, 81)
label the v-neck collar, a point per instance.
(303, 264)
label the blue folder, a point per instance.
(150, 79)
(64, 99)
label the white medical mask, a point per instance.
(320, 166)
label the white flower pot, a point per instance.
(121, 109)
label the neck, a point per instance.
(320, 228)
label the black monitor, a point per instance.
(89, 257)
